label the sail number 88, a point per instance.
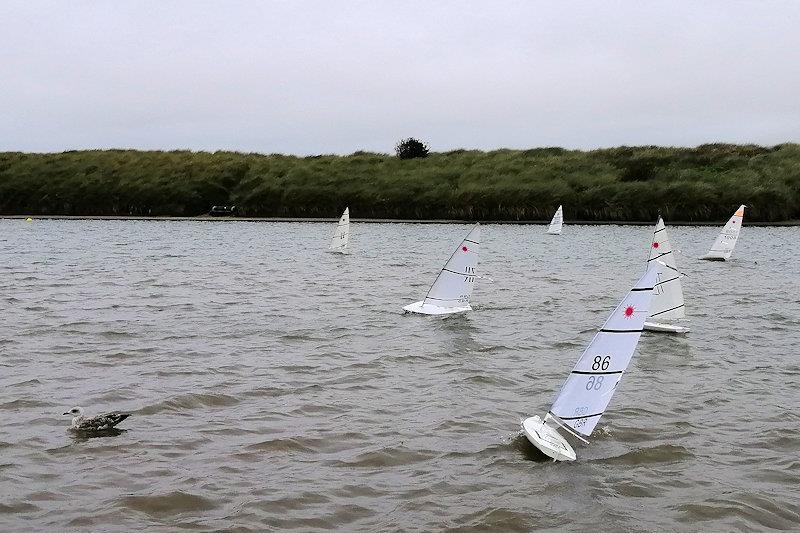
(601, 363)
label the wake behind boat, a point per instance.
(452, 289)
(594, 379)
(668, 303)
(723, 247)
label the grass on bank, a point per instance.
(623, 184)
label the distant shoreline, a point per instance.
(627, 185)
(205, 218)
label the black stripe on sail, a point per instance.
(458, 273)
(661, 255)
(473, 242)
(671, 268)
(593, 372)
(656, 257)
(604, 330)
(442, 299)
(667, 310)
(662, 229)
(667, 280)
(575, 417)
(636, 289)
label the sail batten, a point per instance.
(341, 237)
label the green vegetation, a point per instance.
(624, 184)
(411, 148)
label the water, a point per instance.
(275, 386)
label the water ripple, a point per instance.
(276, 387)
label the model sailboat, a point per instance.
(667, 301)
(556, 223)
(722, 248)
(341, 237)
(594, 379)
(451, 291)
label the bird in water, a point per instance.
(97, 423)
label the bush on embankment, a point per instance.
(623, 184)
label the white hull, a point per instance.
(710, 257)
(428, 309)
(549, 441)
(664, 328)
(554, 232)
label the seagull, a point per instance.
(94, 423)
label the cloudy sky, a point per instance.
(309, 77)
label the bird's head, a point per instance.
(75, 411)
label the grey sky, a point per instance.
(335, 77)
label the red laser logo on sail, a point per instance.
(655, 245)
(629, 311)
(464, 248)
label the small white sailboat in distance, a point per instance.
(668, 303)
(341, 237)
(451, 291)
(594, 379)
(555, 225)
(723, 247)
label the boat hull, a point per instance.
(428, 309)
(665, 328)
(708, 257)
(549, 441)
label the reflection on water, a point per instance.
(276, 386)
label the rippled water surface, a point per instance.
(276, 386)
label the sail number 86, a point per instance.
(601, 363)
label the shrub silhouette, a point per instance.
(411, 148)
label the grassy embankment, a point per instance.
(623, 184)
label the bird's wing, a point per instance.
(102, 422)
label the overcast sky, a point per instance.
(310, 77)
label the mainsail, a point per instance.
(342, 234)
(453, 286)
(667, 301)
(722, 248)
(451, 291)
(588, 390)
(556, 223)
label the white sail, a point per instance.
(667, 301)
(722, 248)
(556, 223)
(588, 390)
(341, 237)
(452, 289)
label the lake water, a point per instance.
(275, 386)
